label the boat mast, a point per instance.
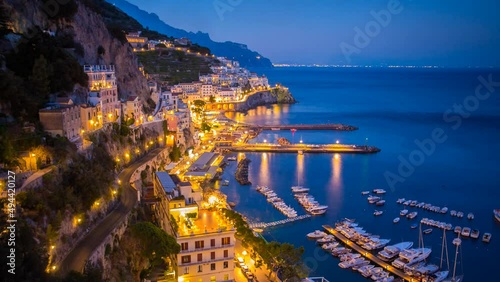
(457, 242)
(444, 246)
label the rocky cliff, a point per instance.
(275, 96)
(87, 29)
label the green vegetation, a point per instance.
(282, 94)
(283, 256)
(174, 66)
(176, 154)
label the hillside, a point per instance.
(231, 50)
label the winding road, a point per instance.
(76, 259)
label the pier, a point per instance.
(325, 126)
(279, 222)
(386, 266)
(304, 148)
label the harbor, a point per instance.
(303, 148)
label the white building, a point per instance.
(104, 91)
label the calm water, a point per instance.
(392, 108)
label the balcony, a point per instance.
(98, 68)
(208, 261)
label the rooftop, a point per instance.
(166, 181)
(207, 222)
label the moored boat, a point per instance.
(427, 231)
(496, 213)
(365, 192)
(486, 237)
(316, 234)
(474, 234)
(465, 232)
(376, 213)
(403, 212)
(391, 252)
(396, 220)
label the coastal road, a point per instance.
(76, 259)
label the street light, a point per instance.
(31, 164)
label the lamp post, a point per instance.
(32, 155)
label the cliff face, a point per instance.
(265, 98)
(87, 29)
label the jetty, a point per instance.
(304, 148)
(325, 126)
(386, 266)
(278, 222)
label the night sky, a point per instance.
(419, 32)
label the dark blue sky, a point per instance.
(420, 32)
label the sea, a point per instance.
(438, 131)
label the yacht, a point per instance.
(359, 265)
(411, 256)
(330, 246)
(458, 229)
(470, 216)
(351, 263)
(380, 203)
(372, 271)
(365, 192)
(316, 234)
(379, 276)
(486, 237)
(460, 214)
(453, 213)
(375, 244)
(396, 220)
(426, 270)
(317, 210)
(400, 200)
(378, 213)
(496, 213)
(373, 199)
(465, 232)
(299, 189)
(348, 257)
(444, 210)
(403, 212)
(390, 252)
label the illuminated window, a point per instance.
(226, 241)
(184, 246)
(186, 259)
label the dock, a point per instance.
(278, 222)
(325, 126)
(304, 148)
(386, 266)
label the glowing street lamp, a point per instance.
(337, 142)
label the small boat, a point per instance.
(318, 210)
(470, 216)
(376, 213)
(396, 220)
(231, 158)
(436, 277)
(466, 232)
(453, 213)
(365, 192)
(458, 229)
(379, 191)
(400, 200)
(380, 203)
(486, 237)
(496, 213)
(444, 210)
(225, 182)
(330, 246)
(299, 189)
(403, 212)
(232, 204)
(316, 234)
(373, 199)
(427, 231)
(413, 203)
(413, 226)
(366, 268)
(474, 234)
(412, 215)
(460, 214)
(359, 265)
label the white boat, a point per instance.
(376, 213)
(231, 158)
(379, 191)
(474, 234)
(470, 216)
(366, 268)
(403, 212)
(373, 199)
(412, 215)
(358, 266)
(453, 213)
(427, 231)
(317, 210)
(316, 234)
(458, 229)
(371, 271)
(365, 192)
(400, 200)
(460, 214)
(348, 257)
(327, 239)
(299, 189)
(379, 276)
(225, 182)
(330, 246)
(411, 256)
(426, 269)
(396, 220)
(390, 252)
(380, 203)
(466, 231)
(496, 213)
(444, 210)
(376, 244)
(351, 263)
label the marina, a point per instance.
(277, 202)
(278, 222)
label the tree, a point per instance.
(199, 103)
(40, 77)
(212, 99)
